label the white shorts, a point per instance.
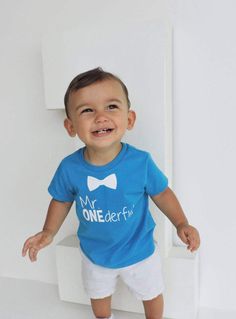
(144, 279)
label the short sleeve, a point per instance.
(156, 181)
(60, 187)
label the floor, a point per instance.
(24, 299)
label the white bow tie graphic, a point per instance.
(110, 181)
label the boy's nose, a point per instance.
(101, 117)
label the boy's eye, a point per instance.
(86, 110)
(112, 106)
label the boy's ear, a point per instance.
(131, 119)
(69, 127)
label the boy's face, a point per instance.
(99, 114)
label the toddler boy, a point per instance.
(110, 181)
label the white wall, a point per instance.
(33, 139)
(204, 136)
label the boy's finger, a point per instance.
(191, 243)
(183, 237)
(194, 246)
(33, 254)
(25, 248)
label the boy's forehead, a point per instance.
(101, 90)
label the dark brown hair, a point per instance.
(86, 78)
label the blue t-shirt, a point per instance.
(115, 224)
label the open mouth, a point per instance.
(102, 132)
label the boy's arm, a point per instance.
(168, 203)
(57, 212)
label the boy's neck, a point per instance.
(102, 156)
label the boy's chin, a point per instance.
(104, 144)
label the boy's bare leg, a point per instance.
(154, 308)
(101, 307)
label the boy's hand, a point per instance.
(189, 235)
(33, 244)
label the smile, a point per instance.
(102, 132)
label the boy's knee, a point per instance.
(111, 317)
(104, 316)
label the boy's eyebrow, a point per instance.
(87, 104)
(114, 100)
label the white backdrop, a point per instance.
(33, 138)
